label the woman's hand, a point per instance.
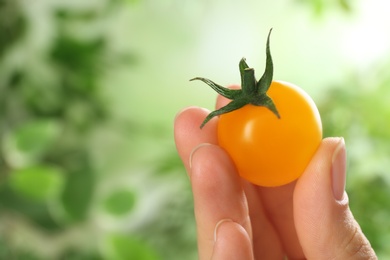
(306, 219)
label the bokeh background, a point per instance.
(89, 90)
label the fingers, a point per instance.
(266, 241)
(188, 134)
(218, 195)
(189, 141)
(216, 186)
(278, 203)
(324, 222)
(231, 242)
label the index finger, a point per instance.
(188, 135)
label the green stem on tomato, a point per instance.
(252, 91)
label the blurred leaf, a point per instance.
(15, 78)
(41, 93)
(370, 204)
(175, 220)
(120, 202)
(134, 1)
(8, 253)
(121, 247)
(346, 5)
(81, 114)
(80, 63)
(12, 24)
(24, 254)
(65, 14)
(30, 142)
(35, 211)
(319, 7)
(80, 56)
(39, 183)
(4, 249)
(76, 254)
(169, 163)
(78, 190)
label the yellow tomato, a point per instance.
(271, 129)
(272, 151)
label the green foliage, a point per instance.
(41, 183)
(59, 193)
(7, 253)
(74, 254)
(51, 104)
(371, 210)
(120, 202)
(79, 189)
(12, 24)
(321, 6)
(122, 247)
(45, 120)
(29, 142)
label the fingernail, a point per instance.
(218, 225)
(339, 170)
(194, 150)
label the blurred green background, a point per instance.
(89, 90)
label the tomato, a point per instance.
(271, 129)
(269, 151)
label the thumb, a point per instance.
(325, 225)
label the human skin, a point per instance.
(306, 219)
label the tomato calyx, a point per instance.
(252, 91)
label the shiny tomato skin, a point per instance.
(269, 151)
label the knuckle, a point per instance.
(357, 246)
